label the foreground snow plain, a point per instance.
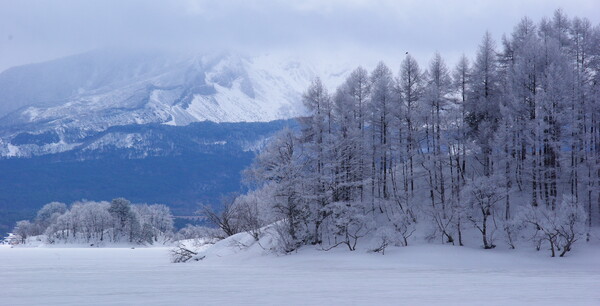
(417, 275)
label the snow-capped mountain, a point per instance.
(60, 103)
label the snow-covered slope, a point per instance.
(81, 95)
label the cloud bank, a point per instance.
(33, 31)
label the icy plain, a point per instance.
(418, 275)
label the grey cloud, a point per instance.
(39, 30)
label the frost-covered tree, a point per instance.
(356, 96)
(382, 104)
(47, 214)
(484, 100)
(224, 218)
(435, 161)
(458, 142)
(410, 83)
(482, 197)
(156, 221)
(23, 229)
(281, 163)
(126, 223)
(91, 219)
(317, 137)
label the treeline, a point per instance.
(117, 221)
(506, 145)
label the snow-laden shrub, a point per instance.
(559, 228)
(512, 228)
(404, 226)
(285, 241)
(181, 253)
(348, 223)
(384, 237)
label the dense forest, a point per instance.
(505, 145)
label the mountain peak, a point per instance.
(91, 92)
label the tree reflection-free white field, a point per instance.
(427, 274)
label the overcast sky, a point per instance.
(33, 31)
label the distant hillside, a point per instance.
(177, 166)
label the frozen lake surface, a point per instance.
(419, 275)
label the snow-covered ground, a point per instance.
(417, 275)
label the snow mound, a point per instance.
(242, 246)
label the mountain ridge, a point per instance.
(101, 89)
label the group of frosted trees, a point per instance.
(117, 221)
(506, 146)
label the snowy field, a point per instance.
(420, 275)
